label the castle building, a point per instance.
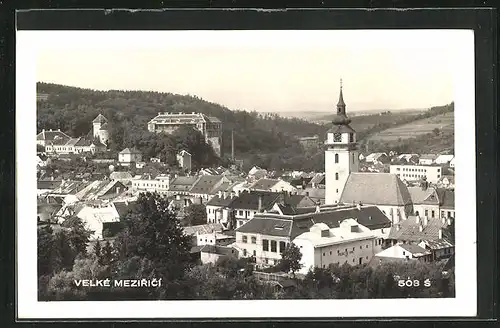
(210, 127)
(345, 185)
(100, 129)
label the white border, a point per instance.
(29, 308)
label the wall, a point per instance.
(260, 254)
(416, 172)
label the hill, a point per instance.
(72, 110)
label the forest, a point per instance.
(265, 140)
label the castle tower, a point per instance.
(341, 153)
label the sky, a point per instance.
(266, 71)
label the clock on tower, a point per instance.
(337, 137)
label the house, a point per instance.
(219, 238)
(181, 185)
(247, 204)
(257, 173)
(446, 202)
(272, 185)
(184, 160)
(318, 181)
(349, 243)
(411, 173)
(407, 158)
(155, 160)
(204, 229)
(47, 212)
(427, 159)
(452, 163)
(178, 205)
(47, 136)
(380, 158)
(266, 235)
(219, 208)
(212, 253)
(148, 183)
(425, 201)
(204, 187)
(444, 159)
(446, 181)
(316, 194)
(129, 156)
(384, 190)
(101, 190)
(405, 252)
(361, 157)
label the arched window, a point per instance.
(336, 176)
(336, 158)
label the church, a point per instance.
(346, 185)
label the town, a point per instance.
(364, 211)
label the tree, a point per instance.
(78, 235)
(290, 259)
(107, 254)
(97, 249)
(196, 214)
(153, 234)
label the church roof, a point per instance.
(376, 189)
(345, 128)
(104, 126)
(100, 119)
(341, 98)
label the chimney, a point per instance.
(440, 234)
(177, 197)
(232, 194)
(224, 194)
(219, 193)
(318, 209)
(358, 206)
(260, 204)
(118, 189)
(43, 130)
(397, 227)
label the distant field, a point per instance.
(443, 122)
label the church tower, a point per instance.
(341, 153)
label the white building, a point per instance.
(100, 129)
(129, 156)
(341, 155)
(184, 160)
(427, 159)
(272, 185)
(444, 159)
(405, 252)
(350, 243)
(160, 184)
(452, 162)
(416, 172)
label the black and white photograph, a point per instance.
(274, 173)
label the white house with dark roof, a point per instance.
(266, 235)
(349, 243)
(50, 135)
(444, 159)
(384, 190)
(128, 156)
(425, 201)
(375, 158)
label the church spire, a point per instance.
(341, 117)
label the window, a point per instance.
(254, 253)
(366, 246)
(244, 239)
(337, 191)
(244, 252)
(330, 252)
(254, 240)
(336, 176)
(351, 137)
(282, 246)
(353, 249)
(432, 213)
(274, 246)
(336, 158)
(240, 213)
(265, 245)
(426, 212)
(360, 247)
(324, 254)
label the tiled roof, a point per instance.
(205, 184)
(409, 229)
(376, 189)
(264, 184)
(250, 200)
(83, 142)
(318, 179)
(47, 211)
(122, 208)
(415, 250)
(220, 201)
(437, 244)
(213, 119)
(220, 250)
(428, 156)
(203, 229)
(48, 184)
(182, 183)
(314, 193)
(100, 119)
(179, 118)
(292, 210)
(72, 141)
(423, 196)
(104, 127)
(51, 135)
(341, 129)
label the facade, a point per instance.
(128, 156)
(416, 172)
(427, 159)
(272, 185)
(210, 127)
(159, 184)
(406, 252)
(184, 160)
(309, 142)
(341, 154)
(444, 159)
(350, 243)
(212, 253)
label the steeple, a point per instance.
(341, 117)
